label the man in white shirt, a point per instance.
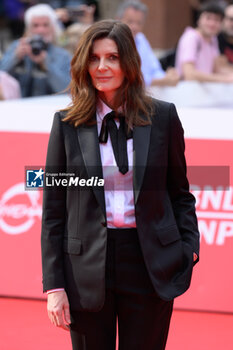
(133, 13)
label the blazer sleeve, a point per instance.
(183, 202)
(54, 212)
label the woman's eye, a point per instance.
(113, 57)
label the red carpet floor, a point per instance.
(24, 326)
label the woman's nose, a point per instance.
(102, 64)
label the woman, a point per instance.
(124, 251)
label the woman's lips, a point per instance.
(103, 78)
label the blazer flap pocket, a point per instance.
(168, 235)
(72, 246)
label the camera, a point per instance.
(75, 13)
(37, 44)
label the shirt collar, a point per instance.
(102, 110)
(212, 40)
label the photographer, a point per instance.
(73, 11)
(41, 67)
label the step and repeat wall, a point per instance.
(24, 132)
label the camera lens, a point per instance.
(37, 44)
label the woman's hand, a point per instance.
(58, 309)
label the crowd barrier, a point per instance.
(24, 132)
(195, 94)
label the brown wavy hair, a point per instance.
(137, 106)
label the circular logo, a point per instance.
(19, 209)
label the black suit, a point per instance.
(74, 232)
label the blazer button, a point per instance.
(104, 224)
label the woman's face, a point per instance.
(104, 68)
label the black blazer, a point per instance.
(74, 231)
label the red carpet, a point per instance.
(24, 326)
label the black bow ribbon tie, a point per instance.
(118, 137)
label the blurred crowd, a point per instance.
(41, 38)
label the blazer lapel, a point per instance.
(89, 144)
(141, 141)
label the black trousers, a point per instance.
(143, 318)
